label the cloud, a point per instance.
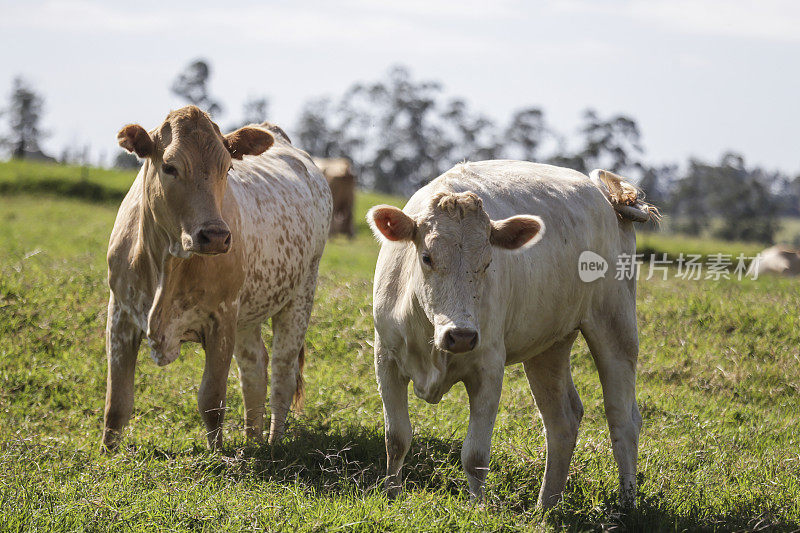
(80, 16)
(771, 20)
(452, 10)
(413, 25)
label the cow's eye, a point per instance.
(487, 265)
(169, 169)
(426, 259)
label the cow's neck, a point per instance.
(153, 242)
(160, 269)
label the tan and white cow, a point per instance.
(216, 235)
(480, 271)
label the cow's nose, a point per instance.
(460, 340)
(214, 240)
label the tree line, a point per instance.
(401, 132)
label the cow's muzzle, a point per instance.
(459, 340)
(163, 351)
(212, 239)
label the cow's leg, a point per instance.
(252, 356)
(561, 409)
(393, 388)
(122, 347)
(289, 328)
(484, 389)
(611, 335)
(218, 344)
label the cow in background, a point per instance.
(776, 260)
(342, 181)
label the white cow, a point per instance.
(776, 260)
(468, 281)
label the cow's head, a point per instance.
(454, 240)
(186, 178)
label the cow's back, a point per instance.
(285, 209)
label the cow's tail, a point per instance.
(627, 200)
(300, 390)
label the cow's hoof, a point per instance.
(545, 503)
(254, 437)
(275, 437)
(627, 502)
(477, 499)
(393, 490)
(108, 447)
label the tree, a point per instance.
(658, 182)
(525, 134)
(786, 191)
(610, 144)
(401, 135)
(391, 129)
(689, 202)
(254, 111)
(468, 136)
(315, 132)
(126, 160)
(742, 199)
(192, 86)
(24, 116)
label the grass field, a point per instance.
(719, 391)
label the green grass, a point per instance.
(719, 391)
(655, 243)
(788, 232)
(88, 183)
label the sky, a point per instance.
(701, 77)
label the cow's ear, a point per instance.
(390, 223)
(512, 233)
(248, 141)
(135, 139)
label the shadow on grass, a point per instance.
(326, 459)
(346, 459)
(653, 513)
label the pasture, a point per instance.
(719, 392)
